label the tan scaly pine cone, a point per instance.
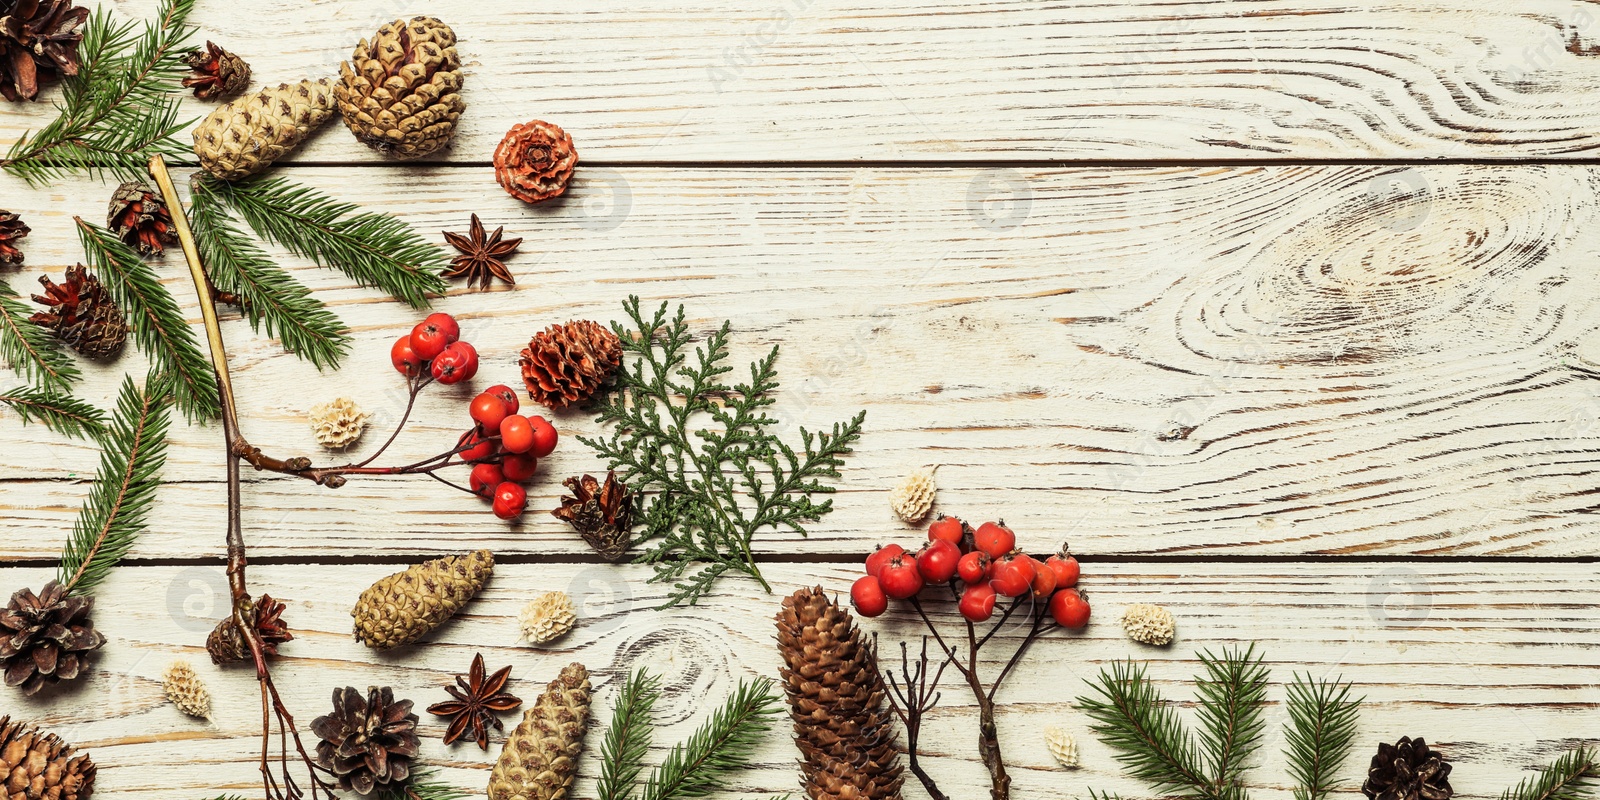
(406, 606)
(245, 136)
(540, 757)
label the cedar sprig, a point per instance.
(1322, 726)
(269, 296)
(372, 249)
(628, 737)
(113, 516)
(723, 744)
(30, 350)
(713, 472)
(61, 413)
(159, 326)
(1570, 777)
(121, 107)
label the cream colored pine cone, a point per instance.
(406, 606)
(913, 498)
(1063, 748)
(338, 423)
(1150, 624)
(547, 617)
(400, 92)
(540, 757)
(185, 690)
(245, 136)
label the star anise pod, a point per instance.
(482, 256)
(476, 703)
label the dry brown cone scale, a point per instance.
(601, 513)
(1408, 770)
(407, 605)
(246, 135)
(540, 757)
(567, 364)
(81, 313)
(368, 742)
(39, 766)
(217, 73)
(837, 699)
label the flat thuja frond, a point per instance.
(113, 516)
(122, 106)
(703, 452)
(724, 743)
(1571, 777)
(270, 297)
(30, 350)
(61, 413)
(1322, 726)
(1150, 741)
(158, 324)
(1232, 696)
(628, 738)
(373, 249)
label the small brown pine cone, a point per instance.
(400, 92)
(601, 513)
(82, 314)
(367, 742)
(540, 757)
(535, 161)
(227, 644)
(12, 229)
(35, 36)
(1408, 770)
(46, 637)
(407, 605)
(217, 73)
(39, 766)
(139, 217)
(567, 364)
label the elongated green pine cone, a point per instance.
(406, 606)
(541, 756)
(245, 136)
(400, 92)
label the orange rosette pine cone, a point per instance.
(567, 364)
(535, 161)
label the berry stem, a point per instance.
(417, 385)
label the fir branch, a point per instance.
(709, 488)
(424, 785)
(61, 413)
(1232, 696)
(1322, 726)
(1151, 743)
(1571, 777)
(113, 516)
(723, 744)
(158, 324)
(269, 295)
(628, 738)
(30, 350)
(121, 107)
(373, 249)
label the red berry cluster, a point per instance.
(988, 565)
(435, 345)
(504, 448)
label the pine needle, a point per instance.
(723, 744)
(372, 249)
(122, 106)
(113, 516)
(271, 297)
(158, 324)
(30, 350)
(424, 785)
(1152, 744)
(1571, 777)
(628, 737)
(1232, 696)
(61, 413)
(1322, 726)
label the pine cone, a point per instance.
(602, 515)
(566, 364)
(82, 314)
(368, 742)
(1408, 770)
(339, 423)
(138, 216)
(245, 136)
(186, 691)
(836, 697)
(406, 606)
(227, 644)
(400, 93)
(547, 617)
(39, 766)
(540, 757)
(38, 35)
(217, 73)
(46, 638)
(913, 498)
(12, 228)
(535, 161)
(1062, 746)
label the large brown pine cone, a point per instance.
(46, 637)
(540, 757)
(367, 742)
(82, 314)
(400, 93)
(1408, 770)
(37, 35)
(567, 364)
(39, 766)
(601, 513)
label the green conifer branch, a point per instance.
(1232, 696)
(424, 785)
(158, 324)
(628, 737)
(121, 107)
(1571, 777)
(113, 516)
(1152, 744)
(61, 413)
(30, 350)
(372, 249)
(1322, 726)
(722, 744)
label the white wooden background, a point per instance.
(1281, 312)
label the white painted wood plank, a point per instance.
(1499, 668)
(1249, 360)
(958, 79)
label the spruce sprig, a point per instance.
(1232, 696)
(1322, 726)
(424, 785)
(61, 413)
(30, 350)
(121, 107)
(723, 744)
(1152, 744)
(372, 249)
(271, 297)
(1571, 777)
(710, 488)
(113, 516)
(628, 737)
(158, 324)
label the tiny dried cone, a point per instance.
(39, 766)
(535, 161)
(228, 645)
(540, 757)
(186, 691)
(46, 637)
(12, 229)
(602, 514)
(547, 617)
(367, 742)
(567, 364)
(400, 92)
(338, 423)
(1062, 746)
(37, 35)
(245, 136)
(139, 217)
(82, 314)
(217, 72)
(1149, 624)
(407, 605)
(912, 499)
